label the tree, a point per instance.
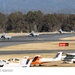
(2, 22)
(34, 19)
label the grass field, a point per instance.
(21, 34)
(14, 34)
(42, 46)
(68, 38)
(23, 55)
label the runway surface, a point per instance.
(26, 39)
(40, 38)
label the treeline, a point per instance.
(37, 21)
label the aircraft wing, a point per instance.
(8, 36)
(46, 59)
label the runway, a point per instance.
(40, 38)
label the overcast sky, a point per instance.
(43, 5)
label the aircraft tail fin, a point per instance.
(58, 56)
(26, 62)
(36, 58)
(3, 35)
(61, 31)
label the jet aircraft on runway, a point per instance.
(4, 36)
(63, 32)
(33, 34)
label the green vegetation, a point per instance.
(37, 21)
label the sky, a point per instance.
(46, 6)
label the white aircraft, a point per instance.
(22, 63)
(63, 32)
(60, 31)
(26, 62)
(33, 34)
(39, 60)
(4, 36)
(3, 62)
(70, 57)
(13, 60)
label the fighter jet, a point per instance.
(33, 34)
(65, 32)
(4, 36)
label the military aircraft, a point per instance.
(64, 32)
(4, 36)
(33, 34)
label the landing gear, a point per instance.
(40, 65)
(8, 38)
(1, 65)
